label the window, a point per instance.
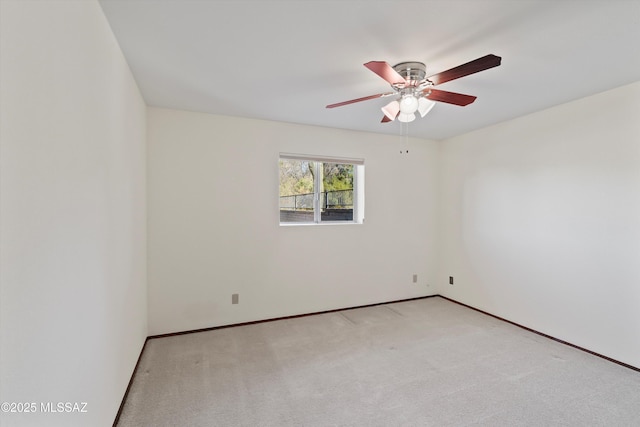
(321, 190)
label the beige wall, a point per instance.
(72, 213)
(541, 221)
(214, 223)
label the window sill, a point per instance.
(322, 224)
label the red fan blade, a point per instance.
(366, 98)
(385, 71)
(385, 119)
(449, 97)
(472, 67)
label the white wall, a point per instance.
(72, 213)
(541, 221)
(214, 223)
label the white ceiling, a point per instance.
(286, 60)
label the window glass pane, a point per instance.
(317, 189)
(336, 193)
(296, 190)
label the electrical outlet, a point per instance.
(235, 298)
(415, 278)
(451, 280)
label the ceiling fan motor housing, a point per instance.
(413, 72)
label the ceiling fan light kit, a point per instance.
(424, 106)
(408, 104)
(406, 118)
(391, 110)
(415, 92)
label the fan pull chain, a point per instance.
(404, 137)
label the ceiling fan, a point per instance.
(415, 92)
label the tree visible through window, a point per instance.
(313, 190)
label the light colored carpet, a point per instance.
(416, 363)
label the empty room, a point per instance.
(319, 213)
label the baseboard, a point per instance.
(626, 365)
(126, 393)
(273, 319)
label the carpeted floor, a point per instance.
(427, 362)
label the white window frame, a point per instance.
(358, 188)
